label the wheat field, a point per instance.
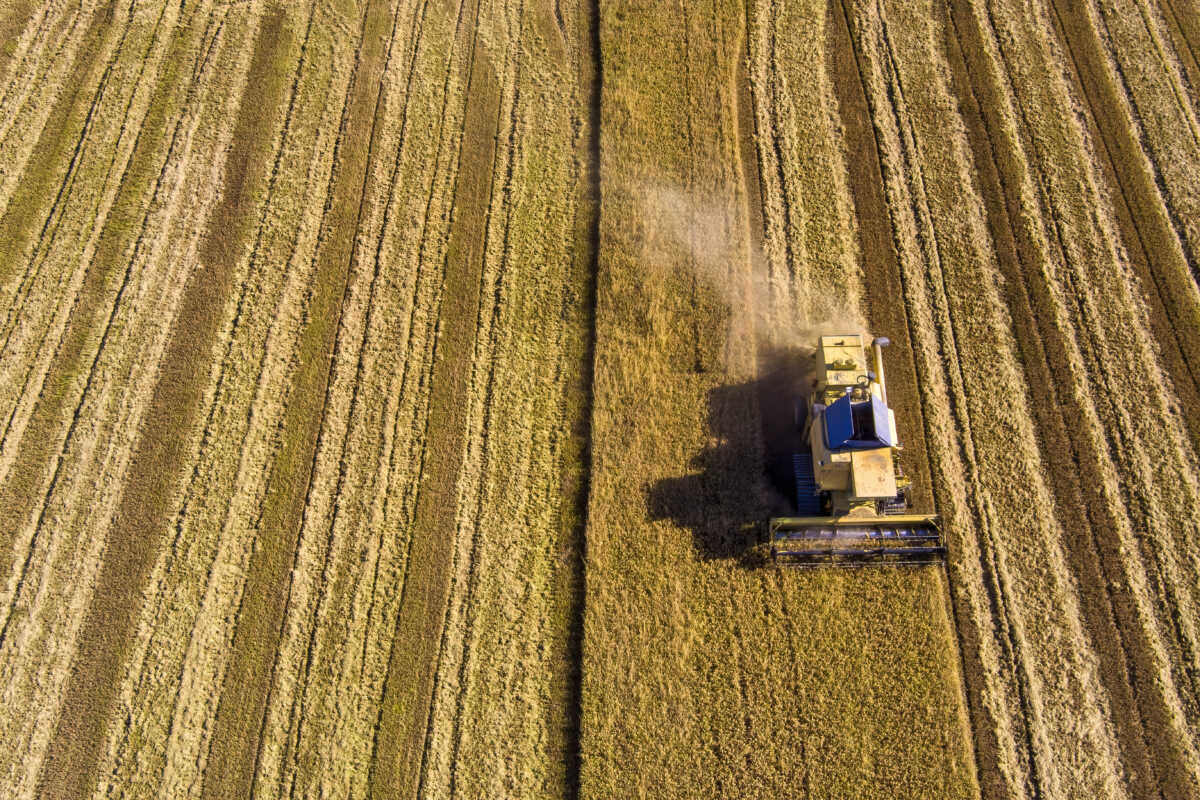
(393, 395)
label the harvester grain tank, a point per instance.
(853, 501)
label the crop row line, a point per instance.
(1112, 484)
(32, 93)
(23, 400)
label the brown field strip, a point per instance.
(1183, 18)
(1099, 559)
(91, 689)
(246, 690)
(1080, 513)
(13, 21)
(405, 709)
(1155, 248)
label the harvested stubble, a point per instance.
(705, 675)
(1067, 479)
(215, 497)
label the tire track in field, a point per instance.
(41, 448)
(1154, 242)
(888, 315)
(146, 173)
(242, 710)
(397, 763)
(1109, 523)
(1183, 20)
(577, 477)
(60, 141)
(1075, 240)
(57, 327)
(13, 23)
(1081, 514)
(159, 462)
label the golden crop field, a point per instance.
(393, 396)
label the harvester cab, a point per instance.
(852, 498)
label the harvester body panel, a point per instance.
(851, 473)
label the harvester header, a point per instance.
(852, 498)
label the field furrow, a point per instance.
(49, 314)
(87, 479)
(45, 55)
(1030, 175)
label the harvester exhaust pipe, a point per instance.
(877, 345)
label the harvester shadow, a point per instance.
(744, 476)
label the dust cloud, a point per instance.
(767, 315)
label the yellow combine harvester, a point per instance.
(852, 498)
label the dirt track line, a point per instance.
(1185, 34)
(1098, 465)
(64, 303)
(40, 459)
(315, 513)
(22, 119)
(1080, 520)
(1154, 242)
(572, 584)
(397, 763)
(286, 494)
(159, 188)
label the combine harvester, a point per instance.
(852, 498)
